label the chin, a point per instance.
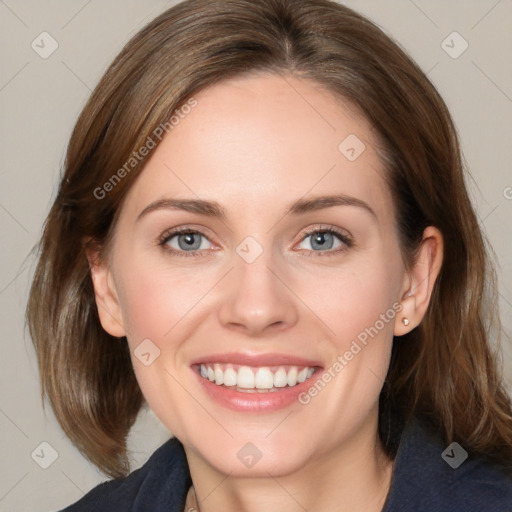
(259, 457)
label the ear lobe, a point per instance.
(107, 302)
(421, 280)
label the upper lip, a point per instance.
(257, 360)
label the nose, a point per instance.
(257, 299)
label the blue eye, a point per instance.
(325, 241)
(189, 242)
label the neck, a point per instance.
(355, 476)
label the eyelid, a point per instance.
(343, 233)
(171, 233)
(343, 236)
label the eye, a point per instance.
(188, 242)
(185, 242)
(326, 240)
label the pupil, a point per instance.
(320, 241)
(186, 241)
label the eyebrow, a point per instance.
(214, 209)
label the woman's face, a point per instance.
(281, 285)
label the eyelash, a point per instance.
(168, 235)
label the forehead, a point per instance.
(263, 141)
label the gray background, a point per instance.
(40, 100)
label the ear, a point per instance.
(107, 302)
(419, 282)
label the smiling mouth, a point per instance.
(248, 379)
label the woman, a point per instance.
(263, 233)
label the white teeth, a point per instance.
(230, 377)
(303, 375)
(245, 378)
(280, 378)
(258, 379)
(264, 379)
(219, 375)
(292, 376)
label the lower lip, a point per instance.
(255, 402)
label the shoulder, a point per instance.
(160, 484)
(431, 477)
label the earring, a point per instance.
(405, 321)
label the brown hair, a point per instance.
(443, 371)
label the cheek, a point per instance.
(154, 301)
(358, 305)
(353, 298)
(160, 304)
(155, 298)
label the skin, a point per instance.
(255, 145)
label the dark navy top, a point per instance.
(427, 477)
